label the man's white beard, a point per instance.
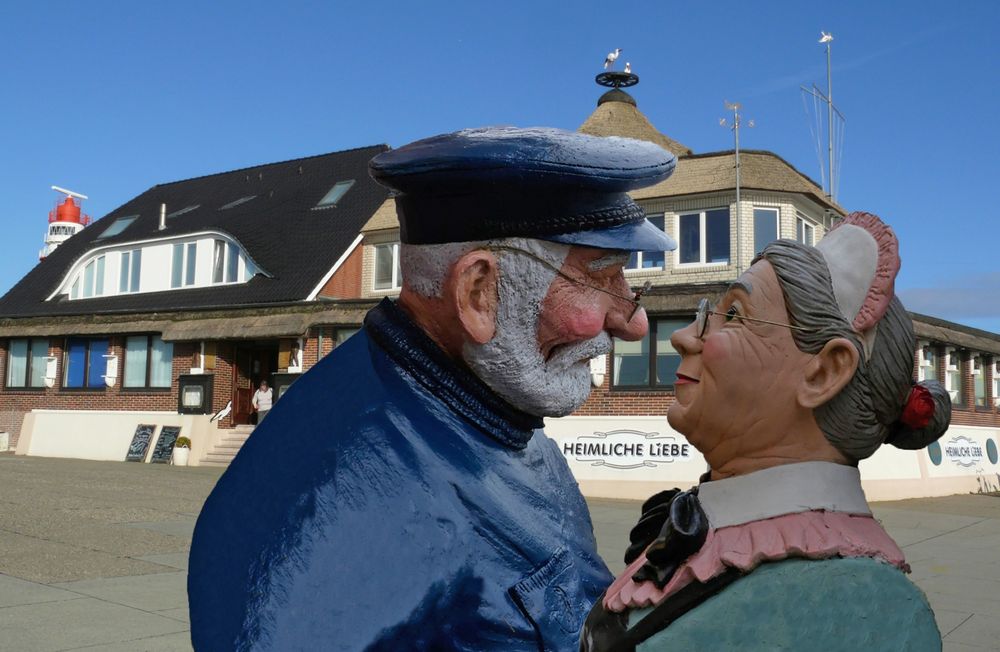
(511, 364)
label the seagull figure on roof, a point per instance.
(628, 68)
(611, 58)
(223, 413)
(824, 37)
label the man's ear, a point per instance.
(828, 372)
(473, 291)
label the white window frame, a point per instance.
(188, 275)
(977, 372)
(132, 284)
(638, 254)
(397, 278)
(703, 213)
(777, 225)
(806, 227)
(951, 371)
(996, 382)
(923, 348)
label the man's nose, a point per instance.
(686, 341)
(618, 323)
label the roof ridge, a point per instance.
(383, 146)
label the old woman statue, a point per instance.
(804, 368)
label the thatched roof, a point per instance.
(946, 332)
(715, 171)
(249, 323)
(383, 218)
(619, 117)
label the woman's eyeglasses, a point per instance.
(705, 309)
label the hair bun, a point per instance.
(924, 418)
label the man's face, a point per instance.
(736, 386)
(550, 325)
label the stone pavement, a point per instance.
(93, 555)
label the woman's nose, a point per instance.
(686, 340)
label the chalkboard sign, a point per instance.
(165, 444)
(140, 443)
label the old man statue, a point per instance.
(401, 496)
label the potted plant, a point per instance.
(182, 449)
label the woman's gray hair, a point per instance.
(865, 414)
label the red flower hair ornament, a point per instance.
(919, 409)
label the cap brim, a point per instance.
(640, 236)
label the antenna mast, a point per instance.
(827, 98)
(735, 127)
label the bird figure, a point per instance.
(628, 68)
(824, 37)
(223, 413)
(611, 58)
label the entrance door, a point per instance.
(254, 362)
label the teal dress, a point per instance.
(847, 604)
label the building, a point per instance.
(176, 304)
(257, 273)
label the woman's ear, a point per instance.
(828, 372)
(472, 288)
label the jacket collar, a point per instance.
(452, 383)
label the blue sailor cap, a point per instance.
(548, 184)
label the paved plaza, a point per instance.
(93, 555)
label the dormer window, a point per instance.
(130, 271)
(335, 194)
(118, 226)
(185, 258)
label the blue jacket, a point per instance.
(391, 501)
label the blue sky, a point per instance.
(110, 98)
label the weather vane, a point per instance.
(613, 78)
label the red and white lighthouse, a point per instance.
(65, 220)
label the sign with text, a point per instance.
(963, 451)
(626, 448)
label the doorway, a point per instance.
(255, 361)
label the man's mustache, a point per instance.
(567, 355)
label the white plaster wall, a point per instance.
(103, 435)
(156, 263)
(890, 474)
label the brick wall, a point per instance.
(346, 281)
(15, 403)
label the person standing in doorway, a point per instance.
(262, 399)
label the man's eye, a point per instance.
(732, 313)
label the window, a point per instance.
(703, 237)
(185, 256)
(765, 228)
(118, 226)
(89, 282)
(387, 267)
(928, 363)
(953, 377)
(148, 362)
(335, 194)
(979, 380)
(651, 361)
(27, 361)
(804, 231)
(648, 259)
(128, 277)
(84, 364)
(226, 263)
(996, 383)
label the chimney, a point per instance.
(163, 216)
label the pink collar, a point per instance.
(809, 535)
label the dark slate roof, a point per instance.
(294, 244)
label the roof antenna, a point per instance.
(831, 126)
(735, 127)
